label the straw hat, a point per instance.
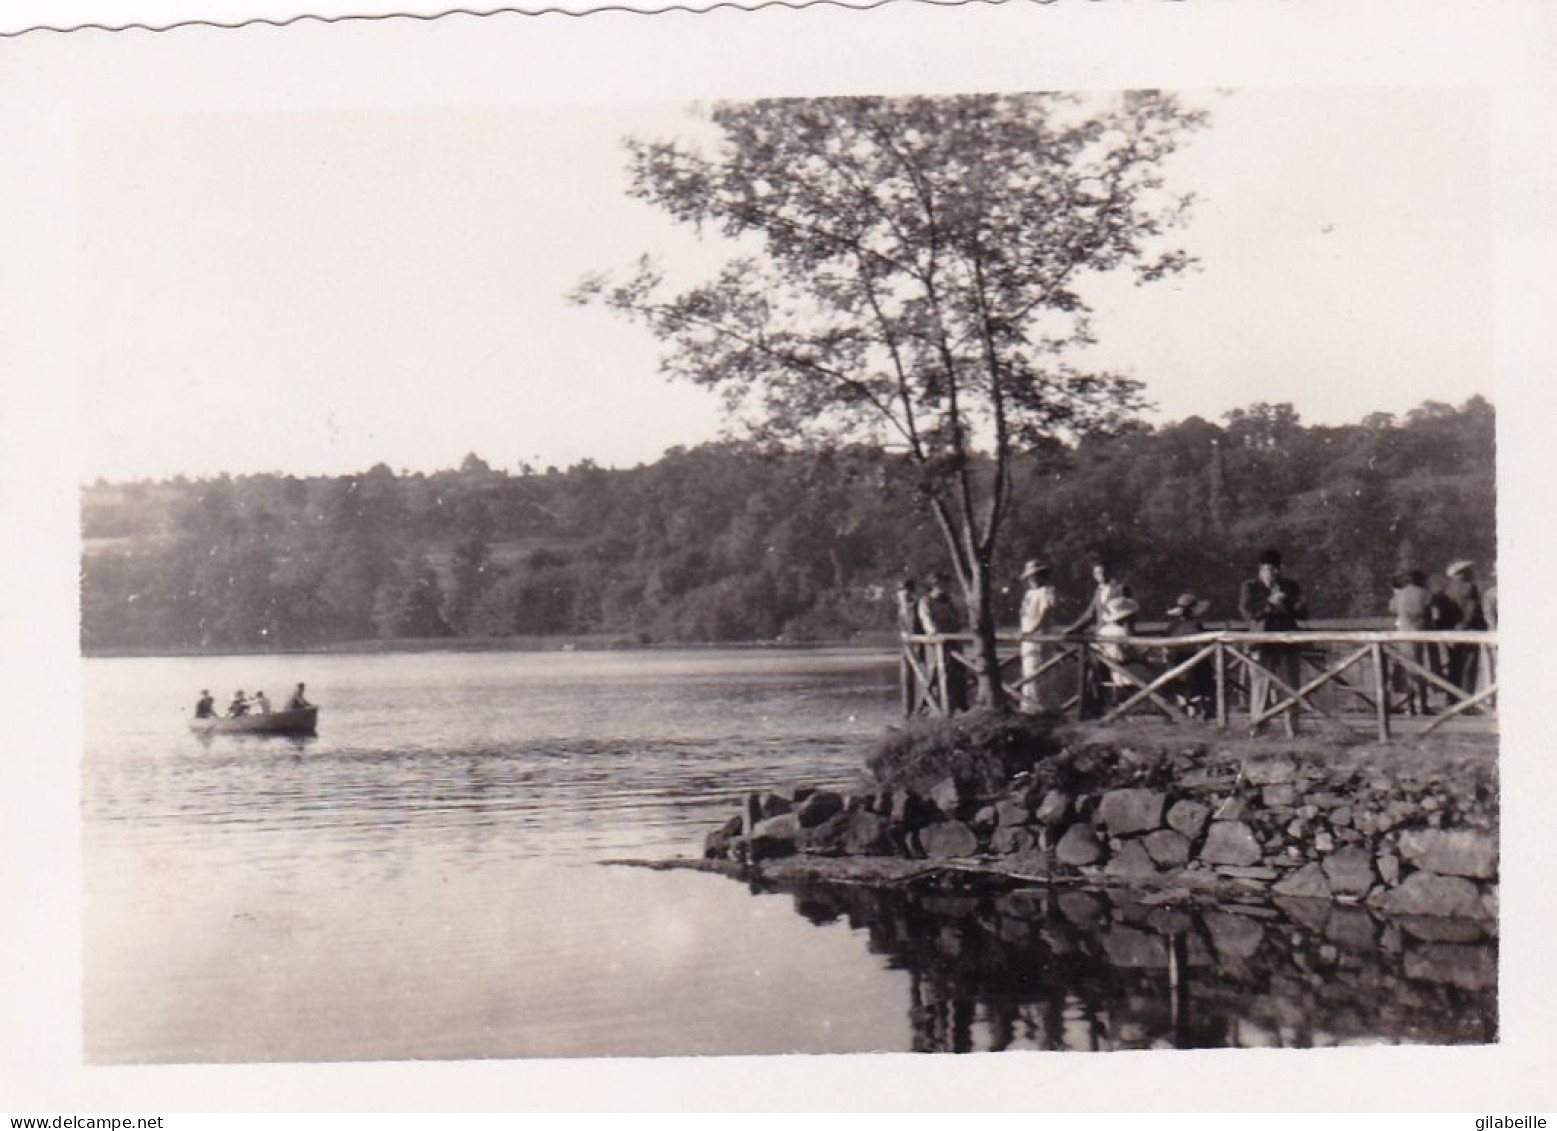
(1188, 605)
(1033, 568)
(1119, 609)
(1458, 567)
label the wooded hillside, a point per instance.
(737, 542)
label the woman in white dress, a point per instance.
(1037, 618)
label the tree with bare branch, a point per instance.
(907, 271)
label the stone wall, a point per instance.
(1408, 830)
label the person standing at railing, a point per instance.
(1038, 607)
(1118, 621)
(1271, 602)
(1410, 604)
(1462, 592)
(907, 601)
(1196, 688)
(938, 616)
(1109, 588)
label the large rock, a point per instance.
(1308, 882)
(1127, 811)
(1168, 847)
(1452, 852)
(774, 837)
(772, 805)
(1079, 846)
(1054, 808)
(1427, 893)
(948, 839)
(1350, 871)
(1012, 813)
(1277, 770)
(1230, 842)
(1131, 862)
(1428, 929)
(952, 796)
(1188, 817)
(820, 806)
(1388, 865)
(717, 844)
(1282, 796)
(849, 833)
(1008, 839)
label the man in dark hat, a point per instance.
(1271, 602)
(938, 615)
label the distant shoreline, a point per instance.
(602, 643)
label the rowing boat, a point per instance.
(304, 720)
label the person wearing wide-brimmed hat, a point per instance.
(1118, 616)
(1038, 607)
(1185, 613)
(1461, 592)
(1271, 602)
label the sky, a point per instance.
(321, 290)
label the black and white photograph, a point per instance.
(558, 541)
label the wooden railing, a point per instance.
(1213, 676)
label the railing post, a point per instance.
(1221, 685)
(945, 688)
(1381, 691)
(1083, 674)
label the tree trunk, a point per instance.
(981, 617)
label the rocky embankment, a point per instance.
(1406, 829)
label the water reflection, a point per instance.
(417, 882)
(994, 968)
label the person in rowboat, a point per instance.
(260, 704)
(239, 705)
(206, 707)
(299, 701)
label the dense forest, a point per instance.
(743, 542)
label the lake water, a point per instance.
(423, 880)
